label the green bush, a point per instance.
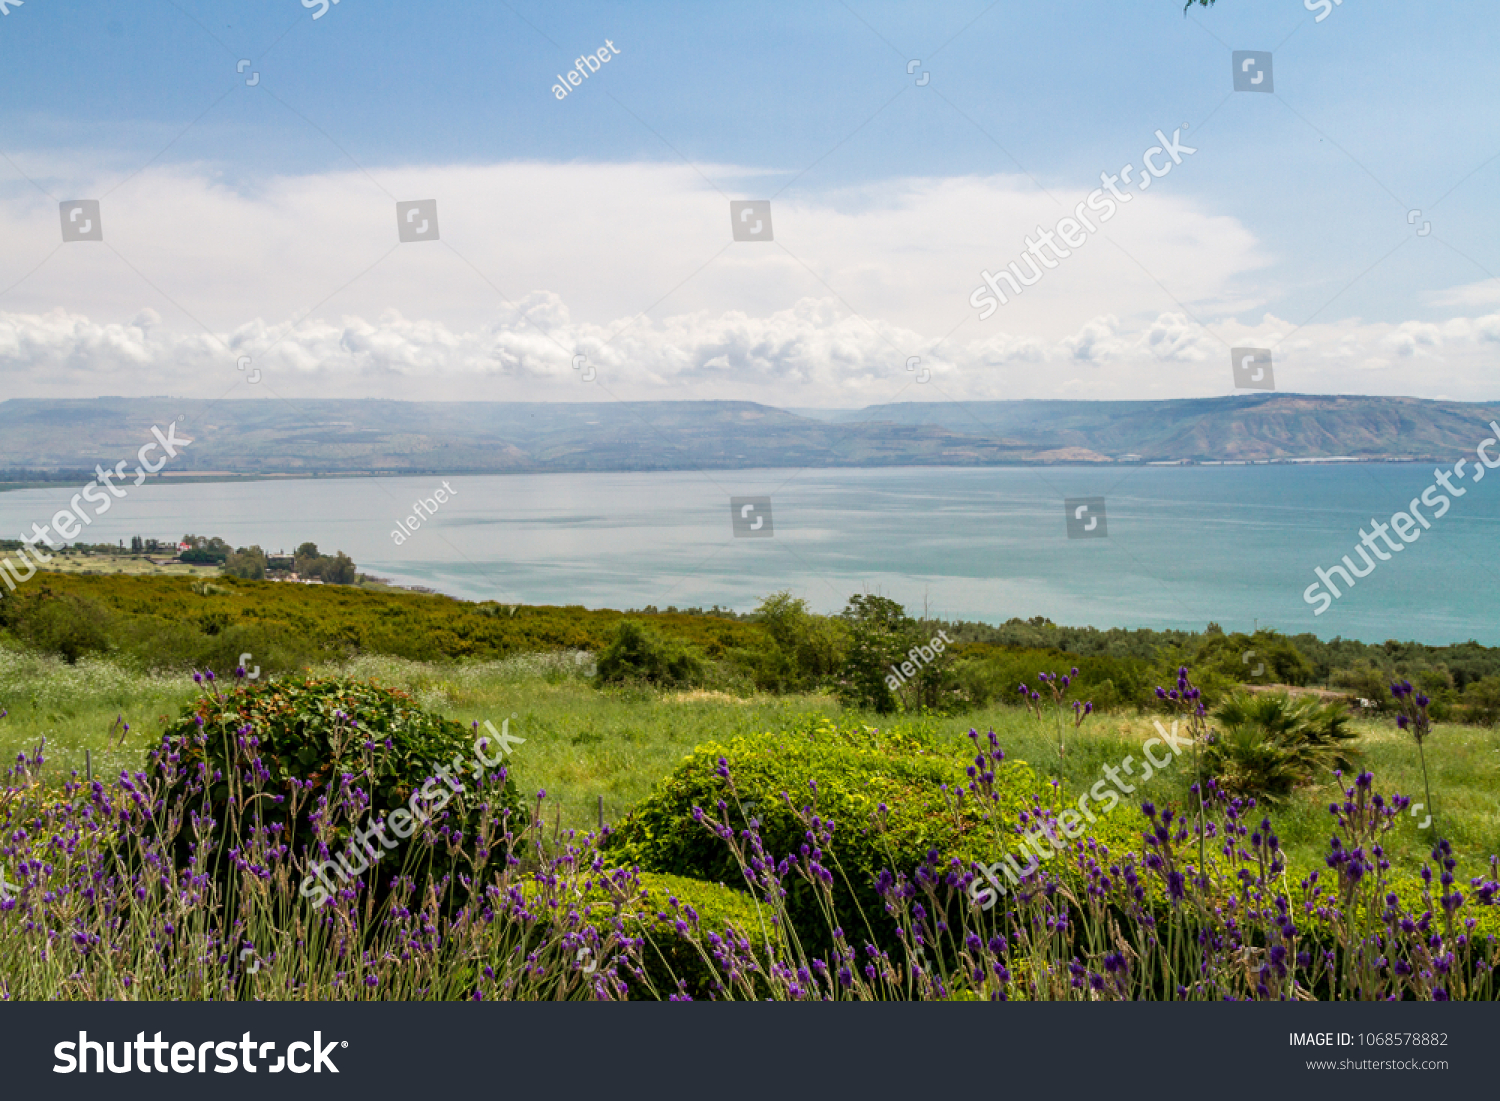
(216, 641)
(639, 654)
(881, 636)
(363, 749)
(57, 623)
(208, 634)
(672, 964)
(844, 774)
(1482, 701)
(801, 650)
(1236, 657)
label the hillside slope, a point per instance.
(363, 435)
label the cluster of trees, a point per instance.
(205, 551)
(865, 655)
(147, 546)
(1299, 659)
(872, 655)
(250, 563)
(335, 569)
(254, 564)
(22, 475)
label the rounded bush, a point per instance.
(303, 763)
(892, 798)
(639, 653)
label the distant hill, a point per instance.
(367, 435)
(1239, 428)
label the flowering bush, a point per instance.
(297, 764)
(884, 800)
(1187, 912)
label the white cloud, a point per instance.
(304, 275)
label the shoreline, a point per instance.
(64, 477)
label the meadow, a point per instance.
(710, 805)
(585, 744)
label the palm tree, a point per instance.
(1268, 744)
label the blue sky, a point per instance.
(587, 223)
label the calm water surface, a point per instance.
(1185, 545)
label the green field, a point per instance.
(135, 565)
(584, 743)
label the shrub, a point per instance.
(328, 755)
(801, 650)
(1238, 656)
(58, 623)
(638, 653)
(1270, 743)
(1367, 681)
(672, 964)
(646, 907)
(1482, 700)
(889, 795)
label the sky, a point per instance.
(248, 161)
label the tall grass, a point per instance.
(584, 744)
(102, 909)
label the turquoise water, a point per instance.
(1185, 545)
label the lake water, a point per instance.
(1185, 545)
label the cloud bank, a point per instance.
(633, 266)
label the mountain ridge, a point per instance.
(371, 435)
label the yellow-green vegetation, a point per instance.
(168, 622)
(101, 664)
